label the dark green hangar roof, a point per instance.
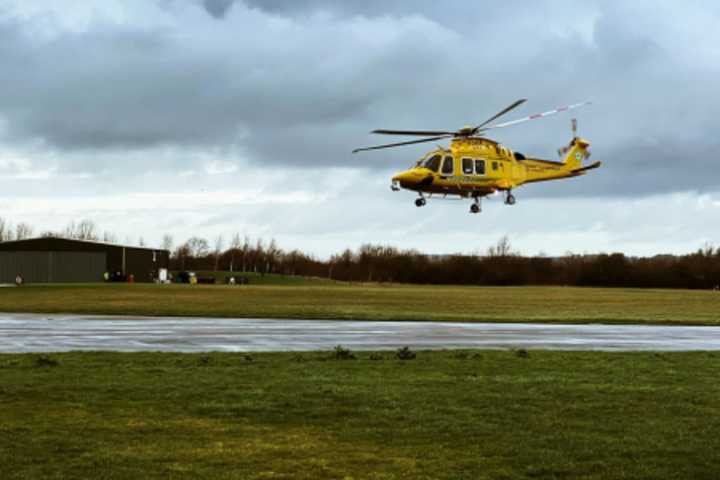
(57, 244)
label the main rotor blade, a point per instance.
(422, 133)
(501, 113)
(390, 145)
(536, 116)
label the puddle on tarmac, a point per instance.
(54, 333)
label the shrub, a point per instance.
(45, 361)
(376, 356)
(342, 353)
(522, 353)
(405, 353)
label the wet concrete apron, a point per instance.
(54, 333)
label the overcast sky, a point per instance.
(206, 117)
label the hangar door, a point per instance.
(52, 267)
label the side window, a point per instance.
(433, 163)
(448, 166)
(479, 167)
(467, 165)
(495, 165)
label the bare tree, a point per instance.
(69, 231)
(85, 230)
(23, 231)
(235, 245)
(167, 242)
(501, 249)
(258, 255)
(197, 247)
(5, 230)
(109, 237)
(271, 255)
(182, 253)
(292, 260)
(245, 252)
(217, 251)
(707, 250)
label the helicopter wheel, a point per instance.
(475, 207)
(510, 199)
(420, 202)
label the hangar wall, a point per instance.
(48, 267)
(53, 259)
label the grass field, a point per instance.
(321, 299)
(454, 415)
(264, 279)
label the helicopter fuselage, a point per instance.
(475, 167)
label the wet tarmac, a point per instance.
(55, 333)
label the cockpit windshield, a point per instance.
(432, 162)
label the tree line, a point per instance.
(499, 265)
(241, 254)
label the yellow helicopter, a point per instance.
(475, 167)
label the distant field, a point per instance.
(267, 279)
(318, 299)
(444, 415)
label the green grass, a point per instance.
(374, 302)
(444, 415)
(263, 279)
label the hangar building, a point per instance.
(62, 260)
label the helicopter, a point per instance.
(475, 166)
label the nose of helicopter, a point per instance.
(406, 177)
(411, 178)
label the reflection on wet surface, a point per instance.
(46, 333)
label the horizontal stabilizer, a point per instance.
(589, 167)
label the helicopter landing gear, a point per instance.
(420, 202)
(475, 207)
(509, 198)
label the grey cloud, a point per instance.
(623, 46)
(451, 12)
(218, 8)
(136, 89)
(274, 84)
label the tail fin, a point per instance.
(576, 153)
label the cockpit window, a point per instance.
(448, 167)
(432, 163)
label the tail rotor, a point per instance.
(564, 150)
